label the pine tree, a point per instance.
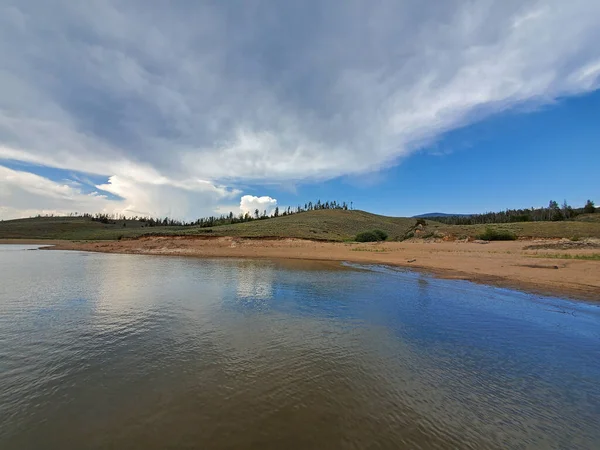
(589, 207)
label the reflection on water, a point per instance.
(255, 280)
(123, 351)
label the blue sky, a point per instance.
(514, 160)
(199, 108)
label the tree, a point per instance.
(567, 211)
(554, 211)
(589, 207)
(276, 213)
(256, 213)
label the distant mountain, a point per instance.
(430, 215)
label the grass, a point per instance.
(369, 249)
(592, 218)
(326, 225)
(563, 229)
(70, 228)
(586, 257)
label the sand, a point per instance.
(505, 264)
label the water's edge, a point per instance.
(535, 288)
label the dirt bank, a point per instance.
(506, 264)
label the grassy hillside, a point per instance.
(70, 228)
(564, 229)
(330, 225)
(594, 218)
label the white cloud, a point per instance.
(250, 203)
(24, 194)
(156, 97)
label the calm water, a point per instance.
(124, 351)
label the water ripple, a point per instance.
(121, 351)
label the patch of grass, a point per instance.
(563, 229)
(591, 218)
(493, 234)
(586, 257)
(369, 249)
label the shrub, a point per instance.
(367, 236)
(382, 234)
(371, 236)
(492, 234)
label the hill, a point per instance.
(325, 225)
(435, 214)
(563, 229)
(329, 225)
(70, 228)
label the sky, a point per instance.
(189, 109)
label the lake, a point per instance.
(130, 351)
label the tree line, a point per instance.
(554, 212)
(212, 221)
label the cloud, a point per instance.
(154, 95)
(24, 194)
(249, 204)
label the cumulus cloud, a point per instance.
(152, 94)
(24, 194)
(249, 204)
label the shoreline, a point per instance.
(500, 264)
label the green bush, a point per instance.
(367, 236)
(409, 235)
(492, 234)
(382, 234)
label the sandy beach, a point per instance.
(505, 264)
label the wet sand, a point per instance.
(504, 264)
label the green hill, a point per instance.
(593, 218)
(69, 228)
(329, 225)
(563, 229)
